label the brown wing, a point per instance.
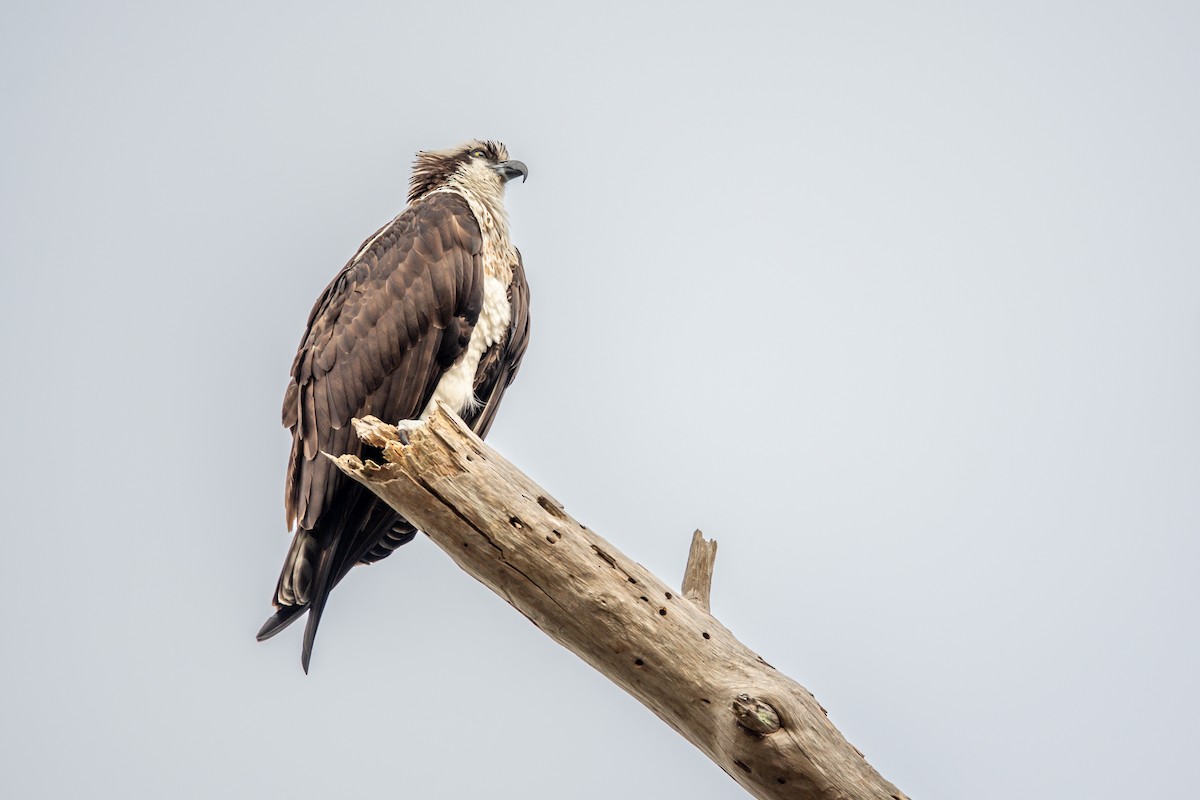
(496, 371)
(378, 340)
(498, 366)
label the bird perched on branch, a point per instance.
(433, 307)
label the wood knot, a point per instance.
(754, 715)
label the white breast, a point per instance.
(457, 386)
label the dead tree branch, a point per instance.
(697, 576)
(761, 727)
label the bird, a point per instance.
(433, 307)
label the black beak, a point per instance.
(511, 169)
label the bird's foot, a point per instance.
(406, 426)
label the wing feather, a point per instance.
(500, 363)
(308, 428)
(376, 336)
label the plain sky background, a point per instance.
(898, 301)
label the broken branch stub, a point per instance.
(698, 574)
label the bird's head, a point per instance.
(483, 166)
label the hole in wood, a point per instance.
(551, 539)
(639, 662)
(705, 635)
(550, 507)
(612, 562)
(647, 599)
(743, 766)
(668, 595)
(516, 522)
(662, 612)
(784, 780)
(632, 580)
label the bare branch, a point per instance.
(764, 729)
(698, 575)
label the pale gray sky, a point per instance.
(900, 302)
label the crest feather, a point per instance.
(433, 168)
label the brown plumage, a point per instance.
(379, 339)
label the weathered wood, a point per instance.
(698, 575)
(760, 726)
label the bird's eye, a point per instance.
(478, 154)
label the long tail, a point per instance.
(317, 605)
(303, 585)
(294, 587)
(312, 568)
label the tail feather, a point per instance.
(400, 533)
(281, 619)
(316, 606)
(359, 529)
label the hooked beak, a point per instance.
(511, 169)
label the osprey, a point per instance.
(433, 307)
